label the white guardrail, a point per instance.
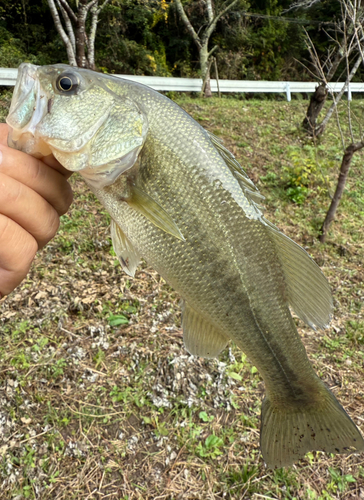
(8, 77)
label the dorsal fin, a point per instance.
(247, 185)
(308, 291)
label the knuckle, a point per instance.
(4, 228)
(10, 190)
(34, 170)
(30, 248)
(50, 228)
(18, 246)
(65, 200)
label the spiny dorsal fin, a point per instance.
(308, 291)
(199, 336)
(247, 185)
(128, 257)
(145, 204)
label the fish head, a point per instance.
(73, 114)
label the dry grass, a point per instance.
(99, 399)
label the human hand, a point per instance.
(33, 195)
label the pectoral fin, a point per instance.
(199, 336)
(125, 252)
(308, 291)
(144, 204)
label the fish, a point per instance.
(179, 199)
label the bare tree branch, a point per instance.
(344, 170)
(89, 5)
(80, 45)
(103, 5)
(210, 12)
(187, 23)
(350, 31)
(69, 27)
(70, 12)
(213, 23)
(62, 33)
(91, 43)
(213, 50)
(324, 122)
(301, 4)
(202, 41)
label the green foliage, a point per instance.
(12, 50)
(127, 41)
(118, 319)
(304, 173)
(27, 34)
(211, 447)
(204, 417)
(147, 37)
(245, 474)
(355, 331)
(339, 482)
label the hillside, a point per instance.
(100, 400)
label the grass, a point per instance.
(99, 399)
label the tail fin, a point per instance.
(288, 434)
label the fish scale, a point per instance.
(178, 198)
(205, 286)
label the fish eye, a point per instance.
(67, 83)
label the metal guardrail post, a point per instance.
(288, 92)
(349, 93)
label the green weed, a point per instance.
(211, 447)
(355, 331)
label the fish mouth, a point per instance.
(28, 107)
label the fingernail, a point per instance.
(1, 157)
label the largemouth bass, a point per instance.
(179, 199)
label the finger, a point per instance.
(28, 209)
(4, 131)
(16, 255)
(48, 160)
(52, 162)
(47, 182)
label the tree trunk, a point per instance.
(205, 70)
(319, 130)
(62, 33)
(317, 102)
(344, 170)
(91, 41)
(81, 36)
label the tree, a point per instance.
(202, 36)
(349, 49)
(344, 43)
(80, 45)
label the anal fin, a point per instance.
(125, 252)
(199, 336)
